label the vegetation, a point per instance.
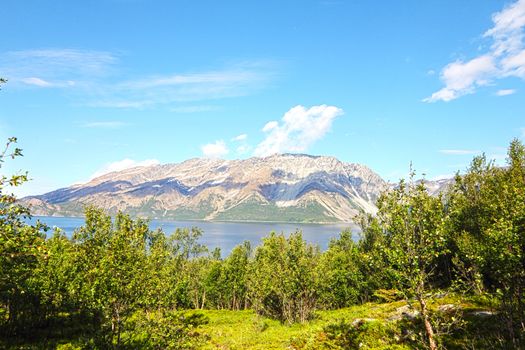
(428, 272)
(255, 210)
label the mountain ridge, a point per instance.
(279, 188)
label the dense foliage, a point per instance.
(116, 283)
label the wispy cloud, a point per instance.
(104, 124)
(241, 137)
(218, 149)
(233, 81)
(133, 104)
(242, 144)
(505, 58)
(505, 92)
(36, 81)
(299, 128)
(87, 60)
(459, 152)
(55, 67)
(232, 76)
(243, 149)
(99, 83)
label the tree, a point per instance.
(189, 266)
(373, 261)
(283, 278)
(340, 276)
(234, 277)
(110, 261)
(21, 248)
(54, 276)
(160, 272)
(413, 222)
(487, 212)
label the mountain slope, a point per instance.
(287, 187)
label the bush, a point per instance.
(164, 330)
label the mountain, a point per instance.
(438, 186)
(286, 187)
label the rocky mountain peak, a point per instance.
(280, 187)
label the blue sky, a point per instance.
(102, 85)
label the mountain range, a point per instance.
(278, 188)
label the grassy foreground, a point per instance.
(369, 326)
(461, 324)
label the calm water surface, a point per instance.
(227, 235)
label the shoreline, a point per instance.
(334, 223)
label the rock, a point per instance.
(403, 309)
(410, 315)
(406, 312)
(394, 318)
(447, 307)
(212, 189)
(483, 313)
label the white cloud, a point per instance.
(505, 92)
(241, 137)
(506, 57)
(243, 146)
(299, 129)
(218, 149)
(104, 125)
(243, 149)
(270, 125)
(458, 152)
(122, 165)
(462, 78)
(507, 31)
(514, 65)
(34, 81)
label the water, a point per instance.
(227, 235)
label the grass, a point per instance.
(378, 328)
(367, 326)
(246, 330)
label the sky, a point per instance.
(102, 85)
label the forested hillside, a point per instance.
(444, 271)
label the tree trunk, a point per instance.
(428, 326)
(118, 329)
(112, 330)
(203, 299)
